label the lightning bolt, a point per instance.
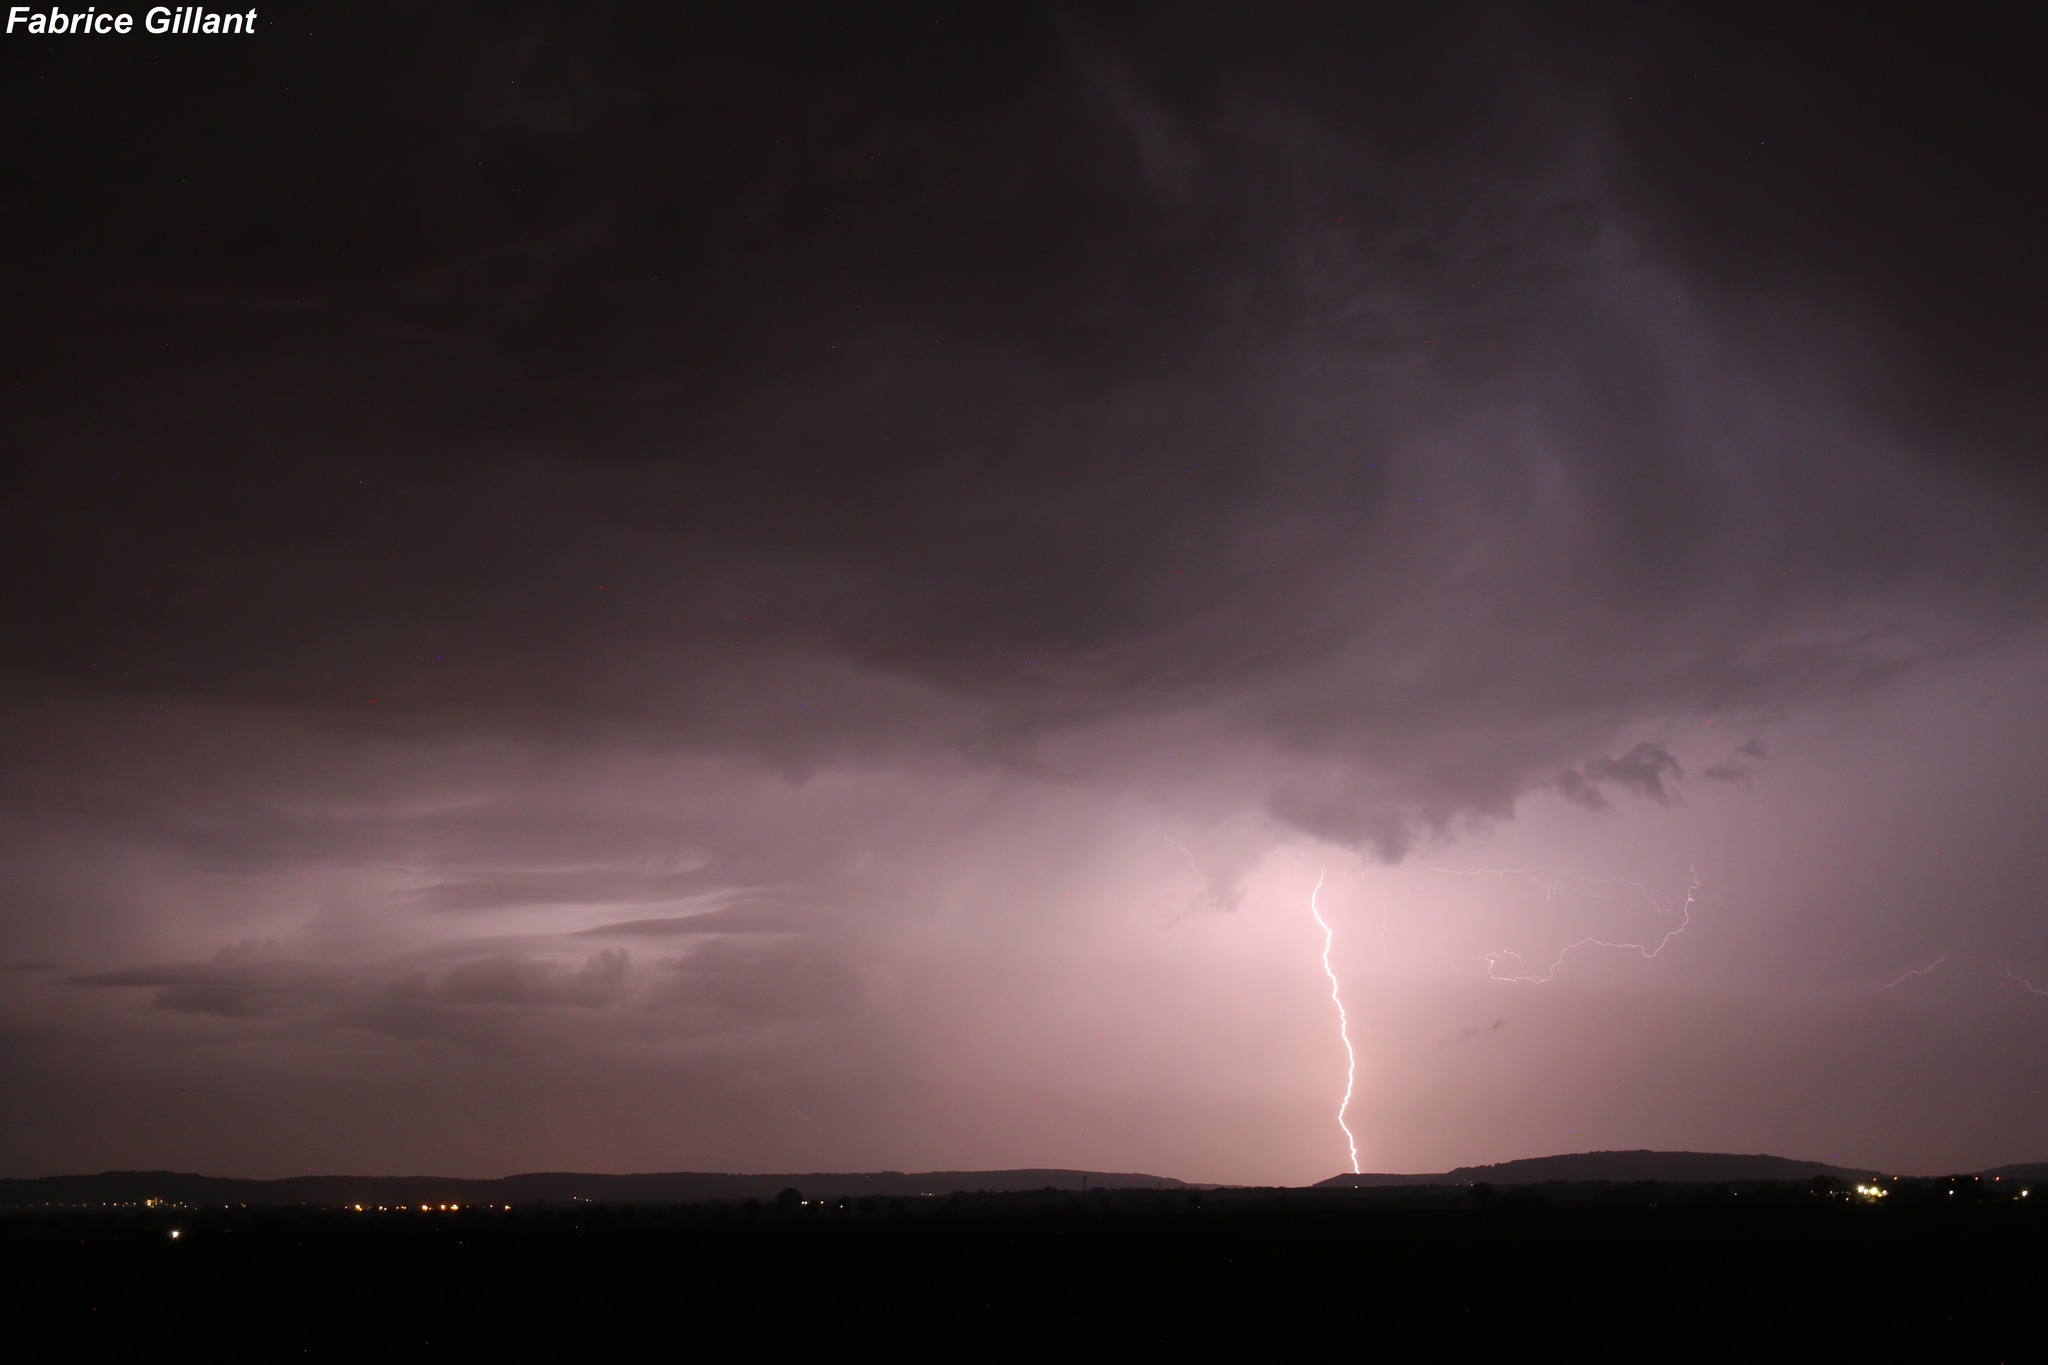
(1922, 971)
(1552, 881)
(1202, 893)
(2031, 987)
(1343, 1022)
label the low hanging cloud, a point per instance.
(743, 917)
(1643, 771)
(1733, 768)
(504, 979)
(246, 980)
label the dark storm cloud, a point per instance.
(1642, 771)
(831, 391)
(490, 996)
(242, 981)
(1867, 161)
(1733, 768)
(819, 394)
(503, 979)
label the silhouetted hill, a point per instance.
(2026, 1170)
(1675, 1168)
(561, 1187)
(683, 1187)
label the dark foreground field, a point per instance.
(1637, 1272)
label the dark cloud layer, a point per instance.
(1064, 365)
(528, 479)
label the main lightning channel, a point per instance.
(1343, 1022)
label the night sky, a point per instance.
(813, 588)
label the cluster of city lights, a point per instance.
(112, 1204)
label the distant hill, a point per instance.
(559, 1187)
(1675, 1168)
(682, 1187)
(2026, 1170)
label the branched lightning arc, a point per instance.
(2031, 987)
(1918, 971)
(1202, 897)
(1551, 880)
(1343, 1022)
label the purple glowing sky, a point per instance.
(652, 592)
